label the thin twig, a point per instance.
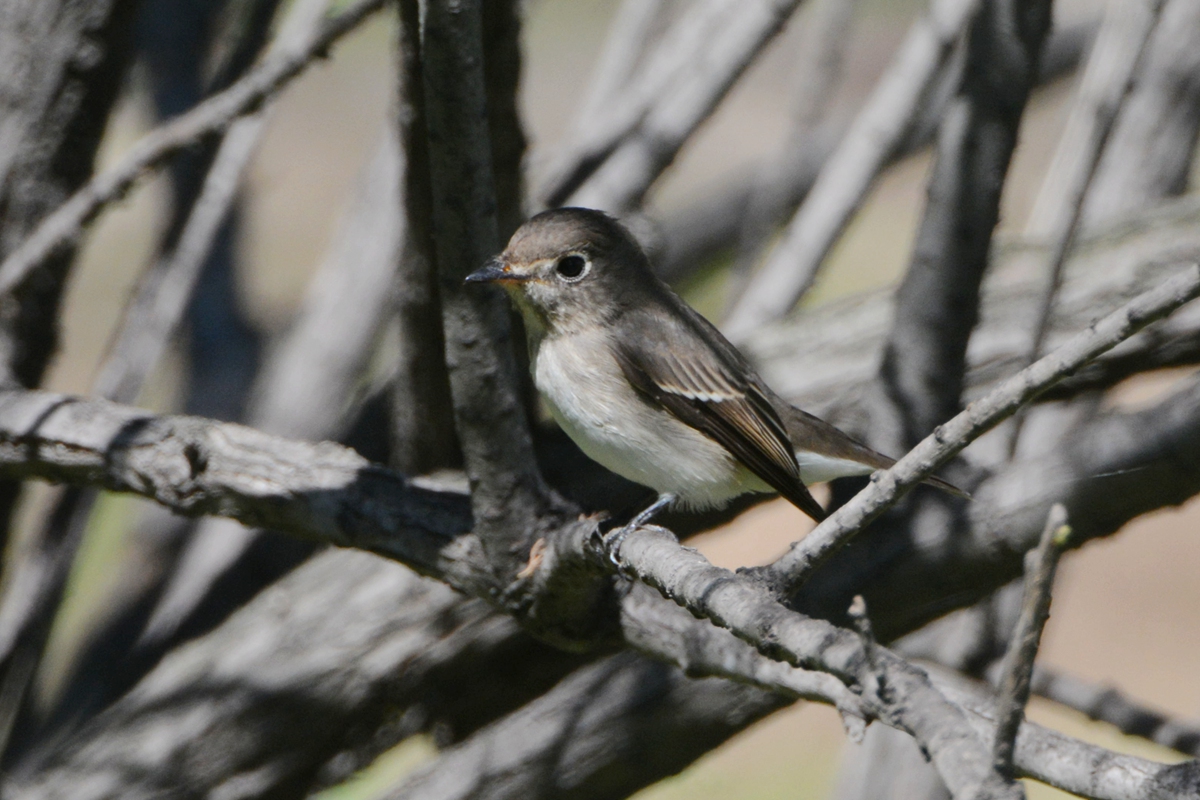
(1040, 566)
(66, 223)
(1112, 67)
(791, 570)
(845, 179)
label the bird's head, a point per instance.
(569, 267)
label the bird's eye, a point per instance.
(571, 267)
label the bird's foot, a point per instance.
(613, 539)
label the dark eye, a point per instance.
(571, 267)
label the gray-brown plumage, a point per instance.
(649, 388)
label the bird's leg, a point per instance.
(612, 542)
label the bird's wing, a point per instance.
(704, 393)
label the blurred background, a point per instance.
(1125, 607)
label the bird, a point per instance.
(648, 387)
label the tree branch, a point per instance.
(1040, 566)
(697, 233)
(851, 170)
(1151, 150)
(1106, 704)
(937, 303)
(673, 96)
(508, 495)
(1112, 67)
(64, 226)
(746, 607)
(791, 570)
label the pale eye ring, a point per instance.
(572, 267)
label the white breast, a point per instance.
(588, 395)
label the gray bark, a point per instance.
(1151, 149)
(921, 376)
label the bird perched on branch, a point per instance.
(648, 387)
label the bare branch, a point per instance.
(791, 570)
(636, 28)
(822, 51)
(1151, 148)
(1071, 765)
(924, 360)
(508, 494)
(845, 179)
(1112, 66)
(1106, 704)
(1111, 70)
(714, 220)
(1040, 566)
(320, 358)
(675, 96)
(66, 223)
(196, 466)
(745, 607)
(163, 295)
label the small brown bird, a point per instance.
(648, 387)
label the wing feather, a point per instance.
(707, 395)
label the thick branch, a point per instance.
(508, 495)
(321, 492)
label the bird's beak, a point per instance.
(495, 271)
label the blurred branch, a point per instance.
(321, 358)
(1152, 147)
(1106, 704)
(61, 67)
(791, 570)
(672, 96)
(64, 226)
(885, 119)
(937, 302)
(1070, 764)
(1040, 565)
(163, 294)
(636, 29)
(150, 320)
(1112, 67)
(713, 222)
(816, 77)
(826, 359)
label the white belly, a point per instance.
(588, 395)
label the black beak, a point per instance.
(494, 271)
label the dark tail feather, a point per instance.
(947, 487)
